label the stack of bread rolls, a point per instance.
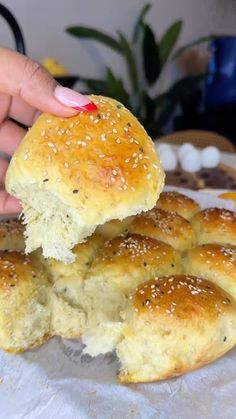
(158, 288)
(108, 259)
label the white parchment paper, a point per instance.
(56, 382)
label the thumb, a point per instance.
(23, 77)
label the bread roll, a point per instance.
(24, 303)
(73, 174)
(126, 261)
(168, 227)
(176, 202)
(68, 316)
(113, 228)
(215, 225)
(12, 235)
(174, 325)
(120, 265)
(215, 262)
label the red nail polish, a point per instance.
(89, 107)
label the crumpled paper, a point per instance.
(57, 382)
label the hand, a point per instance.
(26, 89)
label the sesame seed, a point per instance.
(118, 141)
(127, 160)
(49, 120)
(114, 172)
(43, 133)
(101, 156)
(113, 179)
(114, 130)
(132, 188)
(155, 166)
(122, 179)
(88, 137)
(71, 125)
(66, 164)
(50, 144)
(134, 166)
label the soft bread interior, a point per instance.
(49, 218)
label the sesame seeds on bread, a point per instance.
(164, 309)
(166, 226)
(73, 174)
(215, 225)
(215, 262)
(12, 235)
(174, 325)
(173, 201)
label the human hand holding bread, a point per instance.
(139, 284)
(26, 90)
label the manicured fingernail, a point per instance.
(89, 107)
(73, 99)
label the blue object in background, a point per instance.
(221, 83)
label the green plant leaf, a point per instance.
(116, 89)
(139, 23)
(198, 41)
(151, 57)
(130, 62)
(168, 41)
(96, 35)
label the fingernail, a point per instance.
(73, 99)
(89, 107)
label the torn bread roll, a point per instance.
(25, 314)
(73, 174)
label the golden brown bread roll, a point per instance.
(166, 226)
(215, 225)
(176, 202)
(215, 262)
(73, 174)
(24, 303)
(126, 261)
(12, 235)
(174, 325)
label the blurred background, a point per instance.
(171, 62)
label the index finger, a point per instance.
(26, 79)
